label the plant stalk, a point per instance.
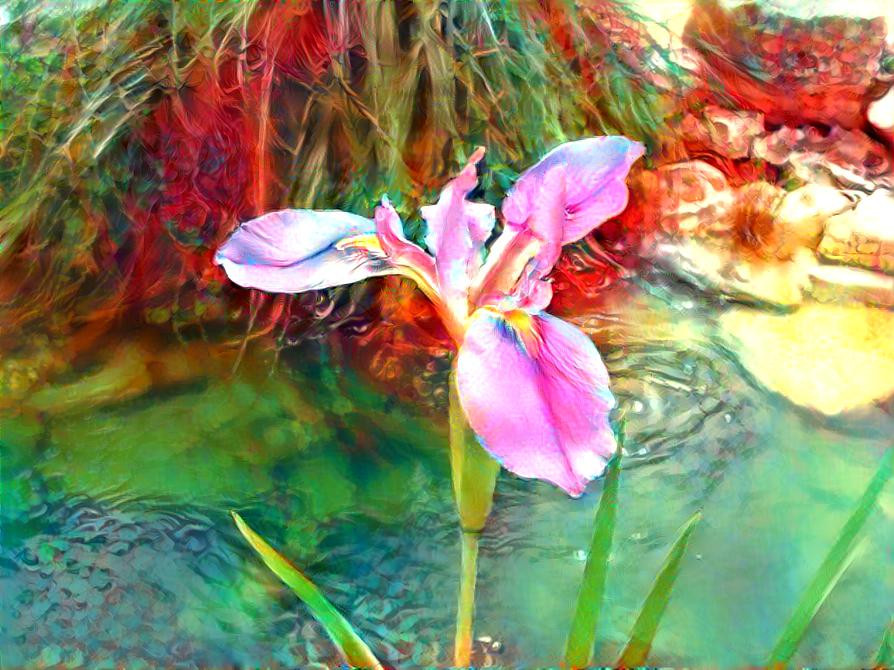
(462, 657)
(474, 475)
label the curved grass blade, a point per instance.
(354, 650)
(885, 656)
(637, 648)
(834, 565)
(582, 635)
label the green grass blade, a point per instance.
(637, 649)
(582, 635)
(885, 656)
(354, 650)
(832, 567)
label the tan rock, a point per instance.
(863, 236)
(729, 132)
(831, 359)
(842, 284)
(881, 115)
(802, 215)
(690, 196)
(761, 248)
(848, 158)
(717, 267)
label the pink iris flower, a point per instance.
(532, 386)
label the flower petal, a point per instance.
(457, 231)
(290, 235)
(521, 252)
(398, 248)
(297, 250)
(535, 391)
(595, 172)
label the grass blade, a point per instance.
(582, 635)
(834, 565)
(637, 648)
(354, 650)
(885, 656)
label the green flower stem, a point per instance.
(466, 604)
(474, 477)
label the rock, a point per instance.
(842, 284)
(793, 70)
(831, 359)
(881, 115)
(846, 157)
(716, 267)
(863, 236)
(687, 197)
(721, 131)
(759, 247)
(802, 214)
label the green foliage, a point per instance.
(885, 656)
(833, 566)
(349, 644)
(582, 636)
(424, 83)
(637, 649)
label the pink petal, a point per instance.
(290, 235)
(535, 391)
(399, 249)
(521, 252)
(596, 169)
(292, 251)
(457, 231)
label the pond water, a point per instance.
(117, 547)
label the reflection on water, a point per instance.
(117, 547)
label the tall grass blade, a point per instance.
(885, 656)
(637, 649)
(349, 644)
(582, 635)
(834, 565)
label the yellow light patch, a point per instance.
(521, 324)
(368, 242)
(520, 320)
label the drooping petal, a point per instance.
(457, 231)
(595, 172)
(290, 235)
(535, 391)
(296, 250)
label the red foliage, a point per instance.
(210, 141)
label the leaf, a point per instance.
(637, 648)
(834, 565)
(885, 656)
(582, 634)
(349, 644)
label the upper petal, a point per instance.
(291, 251)
(457, 231)
(595, 171)
(535, 390)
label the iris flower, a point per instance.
(532, 386)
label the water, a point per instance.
(117, 547)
